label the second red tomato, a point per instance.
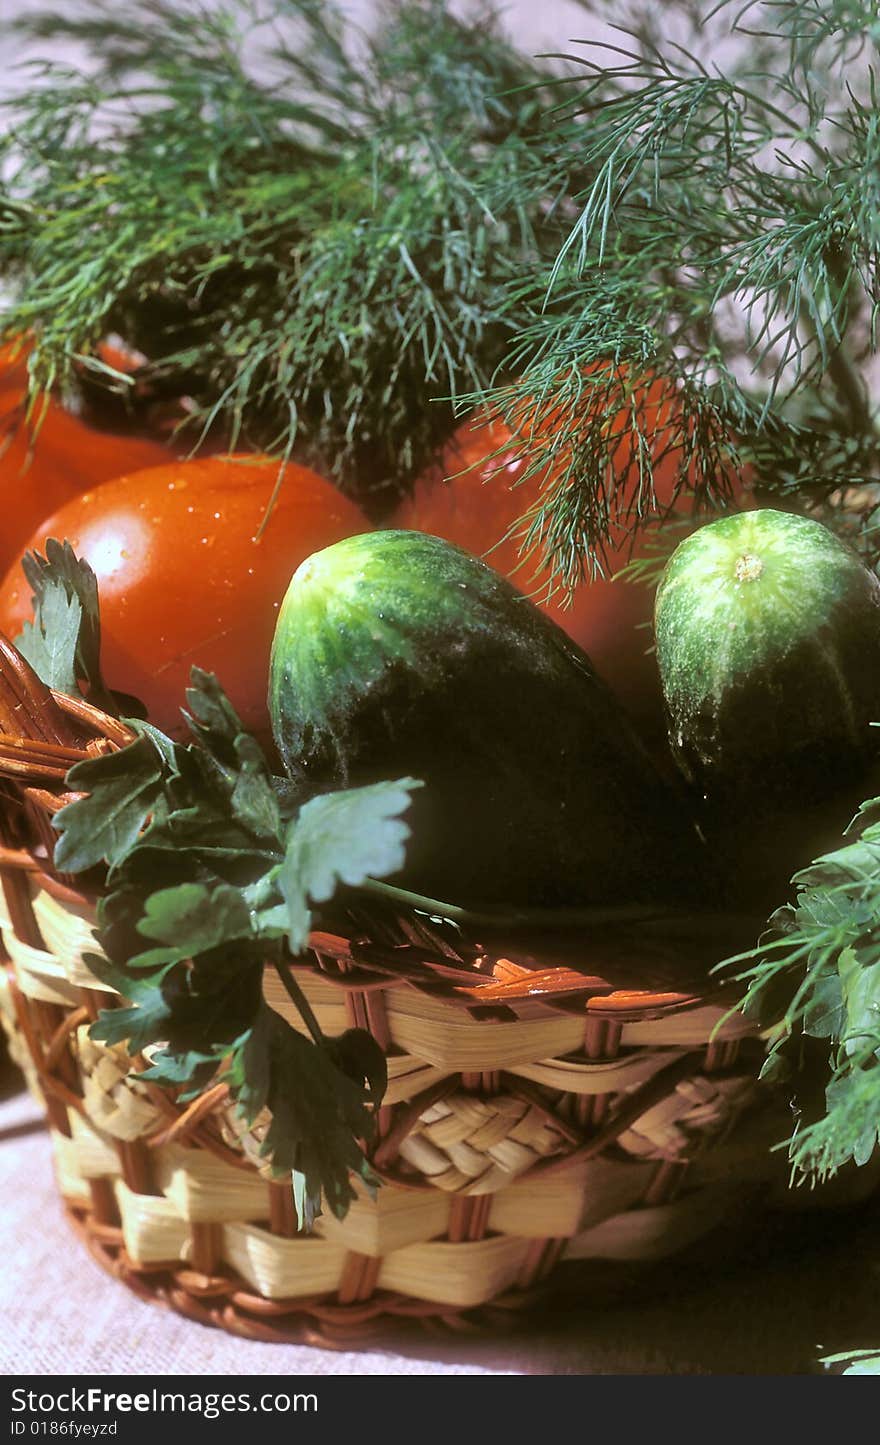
(476, 493)
(38, 475)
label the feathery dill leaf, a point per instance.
(319, 258)
(815, 975)
(726, 239)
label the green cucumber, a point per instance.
(767, 628)
(398, 653)
(768, 641)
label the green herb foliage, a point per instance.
(726, 240)
(208, 876)
(816, 975)
(853, 1362)
(63, 643)
(314, 865)
(333, 243)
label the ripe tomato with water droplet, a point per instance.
(187, 577)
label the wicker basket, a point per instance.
(533, 1117)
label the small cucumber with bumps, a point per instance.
(767, 628)
(768, 641)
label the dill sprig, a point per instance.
(726, 239)
(816, 976)
(319, 257)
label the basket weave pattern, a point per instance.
(519, 1129)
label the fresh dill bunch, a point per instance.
(814, 982)
(726, 240)
(338, 248)
(321, 257)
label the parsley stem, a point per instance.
(508, 917)
(298, 999)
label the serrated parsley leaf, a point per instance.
(344, 837)
(212, 718)
(817, 975)
(253, 801)
(168, 751)
(205, 867)
(124, 788)
(861, 999)
(193, 918)
(321, 1099)
(205, 1006)
(49, 642)
(189, 1071)
(63, 643)
(151, 1010)
(825, 1014)
(234, 754)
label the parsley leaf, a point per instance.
(321, 1099)
(860, 984)
(151, 1006)
(343, 837)
(193, 918)
(190, 1071)
(63, 643)
(49, 642)
(816, 975)
(203, 864)
(214, 862)
(124, 788)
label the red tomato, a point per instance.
(13, 366)
(183, 577)
(67, 458)
(474, 495)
